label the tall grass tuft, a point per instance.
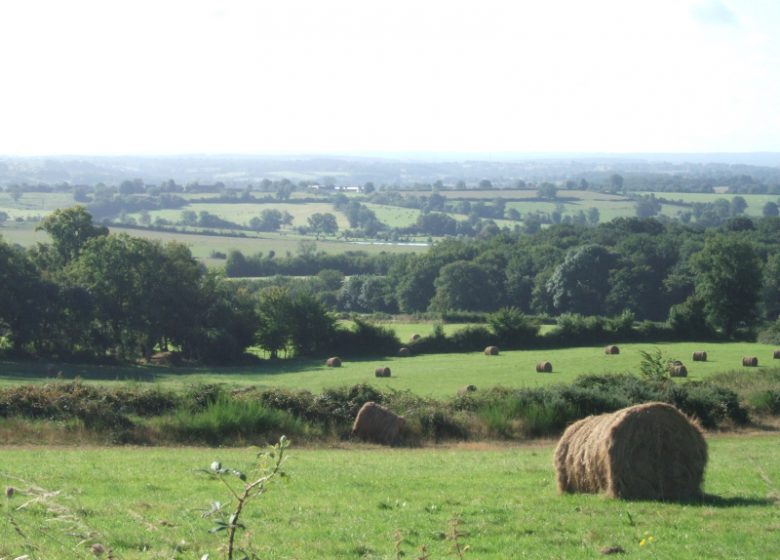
(230, 420)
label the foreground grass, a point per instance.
(349, 503)
(434, 375)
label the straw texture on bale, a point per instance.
(611, 349)
(647, 452)
(750, 361)
(700, 356)
(333, 362)
(544, 367)
(382, 372)
(404, 352)
(776, 355)
(678, 370)
(467, 389)
(491, 351)
(376, 423)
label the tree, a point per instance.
(770, 293)
(20, 293)
(647, 206)
(461, 286)
(728, 281)
(581, 282)
(70, 230)
(273, 331)
(547, 191)
(771, 210)
(325, 224)
(738, 206)
(616, 182)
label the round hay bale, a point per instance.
(646, 452)
(749, 361)
(611, 349)
(415, 337)
(466, 390)
(544, 367)
(776, 355)
(335, 361)
(404, 352)
(382, 372)
(678, 370)
(700, 356)
(491, 351)
(376, 423)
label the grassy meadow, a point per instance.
(434, 375)
(371, 503)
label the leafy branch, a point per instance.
(269, 466)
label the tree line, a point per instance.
(94, 294)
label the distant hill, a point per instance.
(503, 170)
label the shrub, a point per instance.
(365, 338)
(513, 329)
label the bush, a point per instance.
(513, 329)
(471, 339)
(365, 338)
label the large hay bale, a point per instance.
(776, 355)
(491, 351)
(678, 370)
(647, 452)
(415, 337)
(382, 372)
(404, 352)
(611, 349)
(749, 361)
(335, 361)
(466, 390)
(376, 423)
(700, 356)
(544, 367)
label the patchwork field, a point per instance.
(436, 375)
(361, 502)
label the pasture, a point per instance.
(368, 503)
(434, 375)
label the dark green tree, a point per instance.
(728, 281)
(70, 229)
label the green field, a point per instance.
(241, 213)
(755, 202)
(357, 502)
(437, 375)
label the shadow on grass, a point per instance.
(712, 500)
(39, 371)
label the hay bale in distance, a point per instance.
(749, 361)
(382, 372)
(646, 452)
(466, 390)
(404, 352)
(611, 349)
(415, 336)
(776, 355)
(491, 351)
(700, 356)
(544, 367)
(335, 361)
(678, 370)
(376, 423)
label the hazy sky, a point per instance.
(335, 76)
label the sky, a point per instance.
(388, 76)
